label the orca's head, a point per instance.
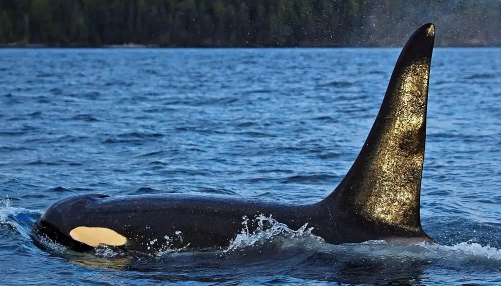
(63, 217)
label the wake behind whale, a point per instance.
(379, 198)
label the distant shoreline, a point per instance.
(77, 46)
(244, 24)
(150, 46)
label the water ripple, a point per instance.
(283, 124)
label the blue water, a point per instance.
(280, 124)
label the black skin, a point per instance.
(367, 204)
(205, 222)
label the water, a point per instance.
(281, 124)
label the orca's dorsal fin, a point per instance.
(383, 186)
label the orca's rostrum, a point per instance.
(378, 199)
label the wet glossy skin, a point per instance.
(198, 222)
(378, 199)
(384, 183)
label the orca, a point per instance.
(378, 199)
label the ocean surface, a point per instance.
(278, 124)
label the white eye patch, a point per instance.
(93, 236)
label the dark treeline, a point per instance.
(243, 22)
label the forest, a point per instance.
(244, 23)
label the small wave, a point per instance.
(9, 99)
(308, 179)
(120, 83)
(218, 191)
(56, 91)
(377, 72)
(275, 171)
(56, 139)
(442, 135)
(91, 95)
(246, 124)
(133, 137)
(35, 115)
(255, 134)
(187, 128)
(151, 71)
(45, 75)
(37, 196)
(258, 91)
(481, 76)
(14, 148)
(353, 98)
(85, 117)
(157, 165)
(211, 101)
(43, 99)
(152, 154)
(443, 82)
(12, 133)
(329, 155)
(59, 189)
(141, 135)
(324, 118)
(145, 190)
(40, 162)
(340, 84)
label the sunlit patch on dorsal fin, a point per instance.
(94, 236)
(383, 187)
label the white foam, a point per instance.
(270, 231)
(5, 210)
(267, 230)
(463, 253)
(9, 216)
(107, 252)
(467, 249)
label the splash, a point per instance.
(263, 233)
(107, 252)
(19, 220)
(163, 247)
(467, 250)
(5, 209)
(268, 230)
